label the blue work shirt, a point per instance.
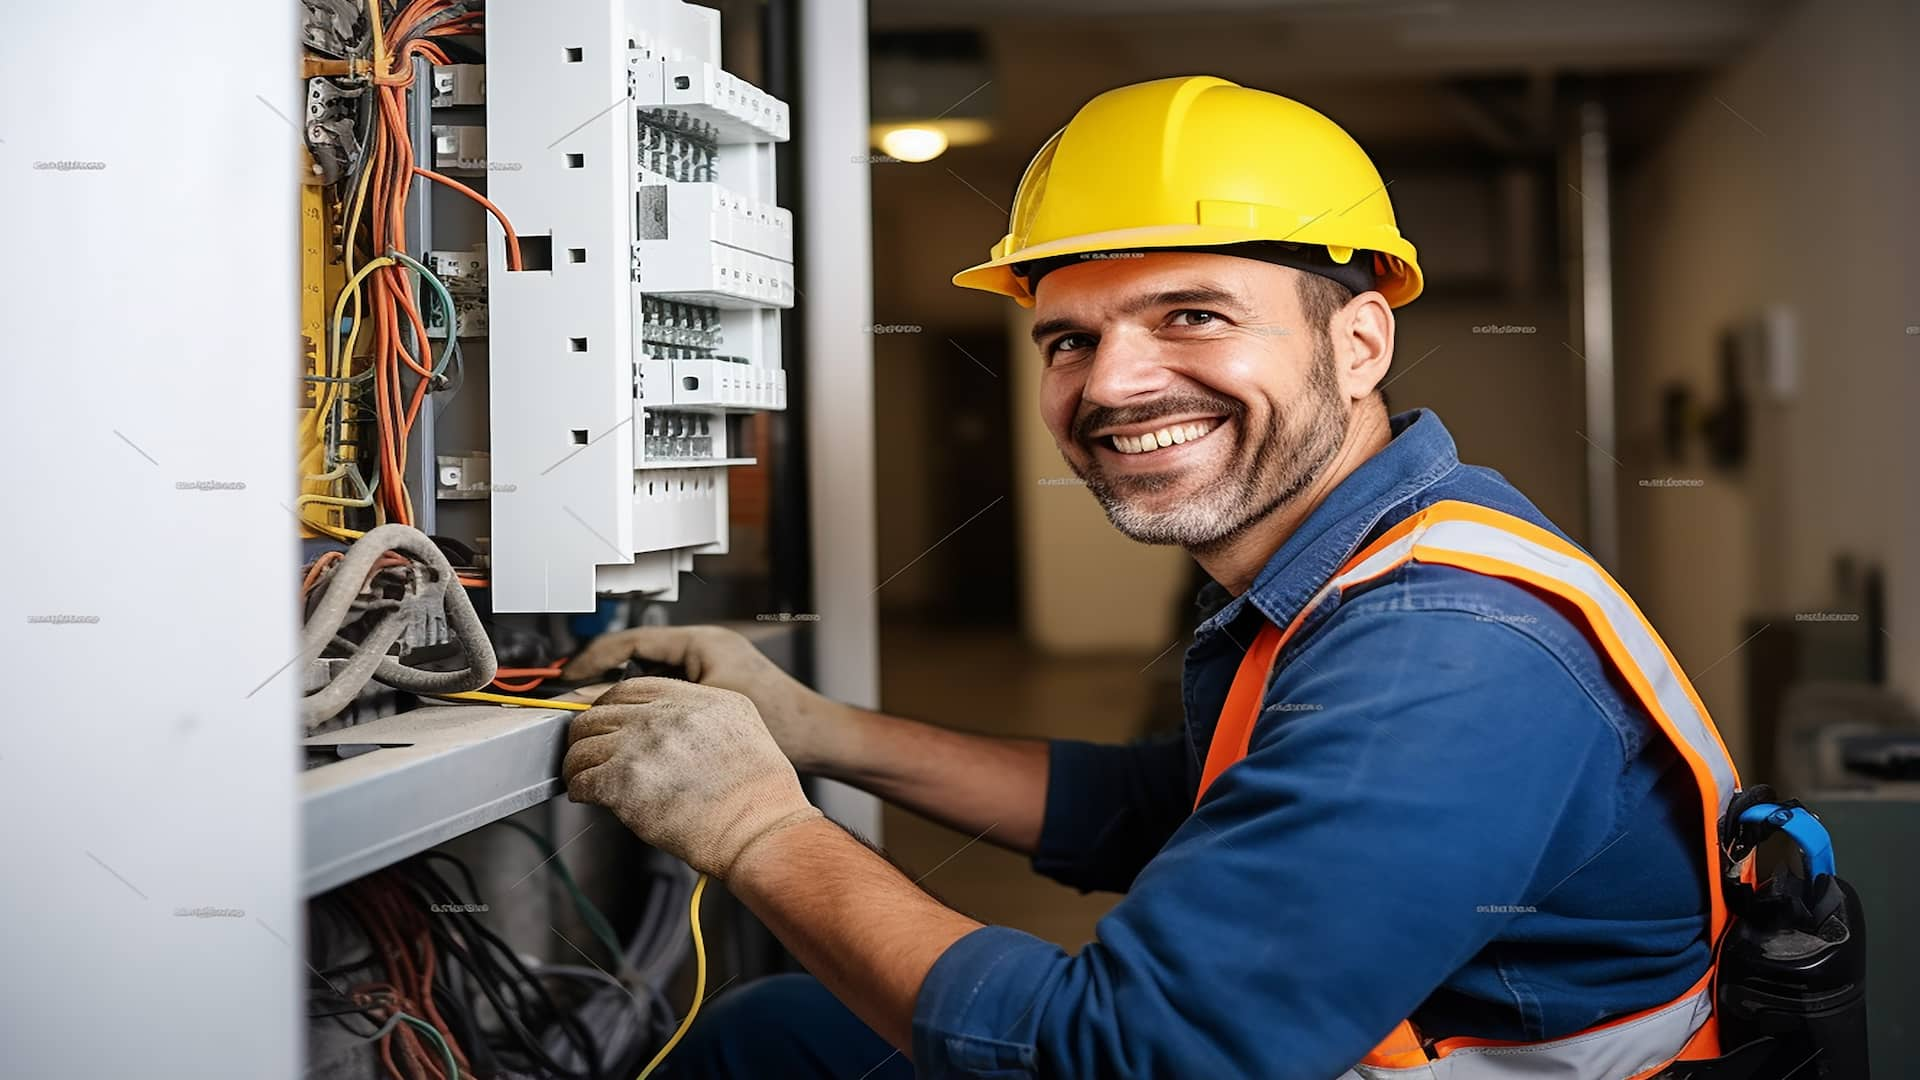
(1452, 809)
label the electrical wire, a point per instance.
(401, 938)
(699, 980)
(446, 1051)
(513, 238)
(446, 305)
(338, 360)
(642, 1010)
(528, 702)
(380, 291)
(517, 997)
(634, 1027)
(532, 677)
(346, 601)
(589, 914)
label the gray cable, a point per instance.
(659, 946)
(436, 588)
(622, 1020)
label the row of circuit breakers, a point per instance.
(639, 178)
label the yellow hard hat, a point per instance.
(1198, 161)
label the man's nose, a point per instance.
(1125, 366)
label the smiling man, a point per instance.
(1156, 429)
(1443, 805)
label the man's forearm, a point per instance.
(977, 784)
(851, 918)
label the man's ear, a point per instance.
(1362, 334)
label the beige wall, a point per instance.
(1512, 400)
(926, 226)
(1789, 179)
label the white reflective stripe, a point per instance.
(1611, 1053)
(1669, 685)
(1475, 538)
(1623, 1049)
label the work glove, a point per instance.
(689, 768)
(813, 731)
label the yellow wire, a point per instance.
(379, 38)
(344, 471)
(347, 536)
(335, 365)
(309, 460)
(508, 699)
(339, 364)
(699, 980)
(693, 908)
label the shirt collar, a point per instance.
(1419, 452)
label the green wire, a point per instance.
(446, 1052)
(589, 914)
(446, 304)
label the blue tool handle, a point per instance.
(1815, 845)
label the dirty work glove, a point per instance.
(814, 732)
(689, 768)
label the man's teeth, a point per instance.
(1166, 436)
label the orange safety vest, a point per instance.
(1490, 542)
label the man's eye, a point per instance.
(1061, 342)
(1206, 318)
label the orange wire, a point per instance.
(383, 394)
(533, 676)
(318, 568)
(513, 239)
(394, 308)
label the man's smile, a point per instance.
(1158, 443)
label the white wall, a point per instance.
(1789, 178)
(148, 766)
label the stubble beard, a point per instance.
(1266, 470)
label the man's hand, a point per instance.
(690, 769)
(812, 731)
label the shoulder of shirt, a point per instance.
(1496, 606)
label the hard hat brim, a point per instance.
(1399, 285)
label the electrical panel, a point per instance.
(543, 270)
(654, 261)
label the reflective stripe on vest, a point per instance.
(1490, 542)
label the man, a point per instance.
(1440, 785)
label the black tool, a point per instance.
(1793, 964)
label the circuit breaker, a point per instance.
(654, 262)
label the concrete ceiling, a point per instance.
(1408, 79)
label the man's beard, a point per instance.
(1266, 470)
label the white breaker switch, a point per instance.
(460, 148)
(653, 317)
(459, 84)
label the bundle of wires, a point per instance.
(397, 930)
(380, 289)
(360, 617)
(626, 1005)
(520, 1008)
(471, 1006)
